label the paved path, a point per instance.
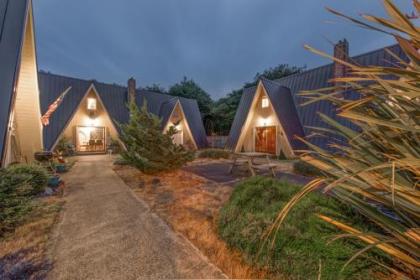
(105, 232)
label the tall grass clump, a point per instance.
(303, 242)
(377, 171)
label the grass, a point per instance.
(23, 253)
(301, 244)
(214, 154)
(26, 219)
(305, 169)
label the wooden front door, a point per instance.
(265, 139)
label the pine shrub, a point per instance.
(147, 147)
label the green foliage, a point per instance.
(223, 113)
(189, 89)
(35, 175)
(380, 164)
(213, 153)
(302, 243)
(18, 185)
(305, 169)
(274, 73)
(148, 149)
(65, 147)
(115, 146)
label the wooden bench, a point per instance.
(247, 159)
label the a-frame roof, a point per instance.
(312, 79)
(284, 108)
(13, 17)
(114, 98)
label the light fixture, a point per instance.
(91, 103)
(264, 102)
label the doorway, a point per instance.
(178, 138)
(90, 139)
(265, 139)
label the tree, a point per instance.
(147, 147)
(155, 88)
(189, 89)
(274, 73)
(223, 112)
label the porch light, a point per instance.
(91, 103)
(264, 102)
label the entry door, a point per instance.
(265, 139)
(178, 138)
(90, 139)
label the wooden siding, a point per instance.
(27, 113)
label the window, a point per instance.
(91, 103)
(264, 102)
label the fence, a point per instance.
(217, 141)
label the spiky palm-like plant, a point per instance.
(377, 172)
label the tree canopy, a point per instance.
(190, 89)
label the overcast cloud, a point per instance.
(219, 43)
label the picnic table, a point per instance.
(248, 159)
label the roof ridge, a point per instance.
(331, 63)
(79, 79)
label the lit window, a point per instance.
(91, 103)
(264, 102)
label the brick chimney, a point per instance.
(131, 90)
(341, 51)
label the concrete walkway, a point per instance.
(105, 232)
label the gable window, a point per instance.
(264, 102)
(91, 104)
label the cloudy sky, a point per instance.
(219, 43)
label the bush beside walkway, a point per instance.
(301, 245)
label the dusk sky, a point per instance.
(219, 43)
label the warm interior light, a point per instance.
(91, 103)
(264, 102)
(265, 121)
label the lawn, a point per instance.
(27, 217)
(301, 245)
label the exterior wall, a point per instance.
(176, 116)
(82, 118)
(27, 113)
(260, 117)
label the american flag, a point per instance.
(45, 119)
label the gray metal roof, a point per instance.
(313, 79)
(283, 105)
(13, 15)
(114, 98)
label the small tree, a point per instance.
(147, 147)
